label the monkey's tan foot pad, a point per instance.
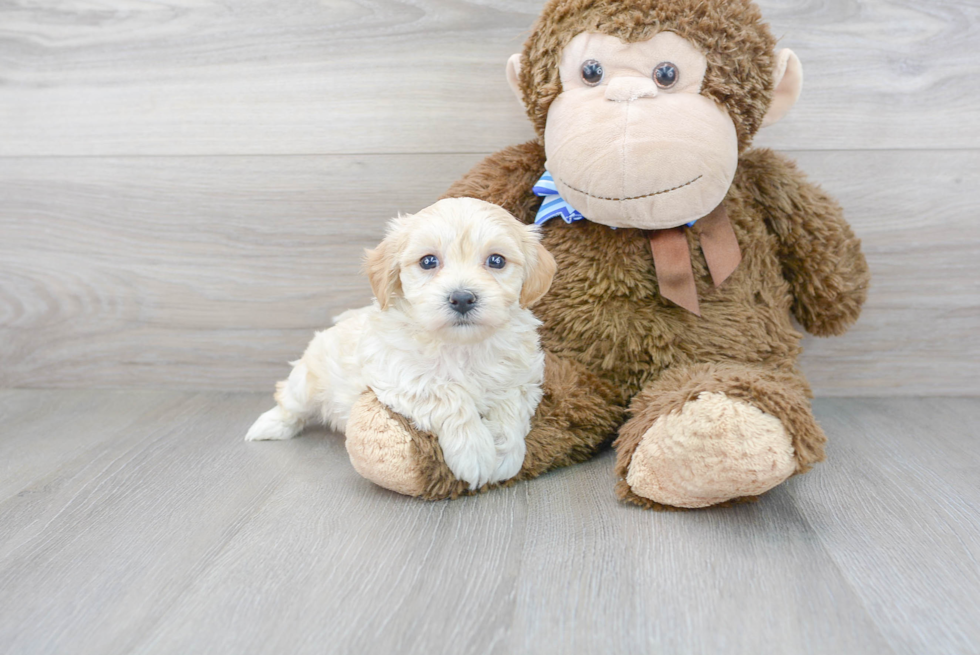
(714, 449)
(381, 449)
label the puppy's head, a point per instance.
(460, 267)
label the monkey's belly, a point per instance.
(604, 310)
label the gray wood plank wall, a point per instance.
(186, 187)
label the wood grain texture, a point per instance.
(35, 441)
(171, 484)
(167, 534)
(211, 273)
(598, 579)
(897, 506)
(359, 76)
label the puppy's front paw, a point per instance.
(472, 459)
(273, 425)
(509, 462)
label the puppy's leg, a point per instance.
(323, 384)
(467, 444)
(294, 407)
(509, 421)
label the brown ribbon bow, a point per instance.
(672, 257)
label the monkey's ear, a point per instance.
(787, 85)
(514, 76)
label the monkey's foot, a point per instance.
(714, 449)
(381, 449)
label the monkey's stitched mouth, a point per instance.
(649, 195)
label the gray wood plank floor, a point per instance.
(140, 522)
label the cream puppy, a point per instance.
(450, 343)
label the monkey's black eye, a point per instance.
(592, 72)
(429, 262)
(666, 75)
(496, 261)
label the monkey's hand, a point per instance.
(821, 257)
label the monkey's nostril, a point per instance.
(462, 301)
(629, 89)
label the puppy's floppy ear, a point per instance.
(381, 266)
(539, 270)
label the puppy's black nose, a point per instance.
(462, 301)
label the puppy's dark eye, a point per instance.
(666, 75)
(592, 72)
(429, 262)
(496, 261)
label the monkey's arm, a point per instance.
(821, 257)
(505, 178)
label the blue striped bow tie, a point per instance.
(669, 247)
(553, 204)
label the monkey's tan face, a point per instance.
(630, 141)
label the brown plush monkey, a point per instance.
(668, 324)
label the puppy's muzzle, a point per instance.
(462, 301)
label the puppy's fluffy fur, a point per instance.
(473, 379)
